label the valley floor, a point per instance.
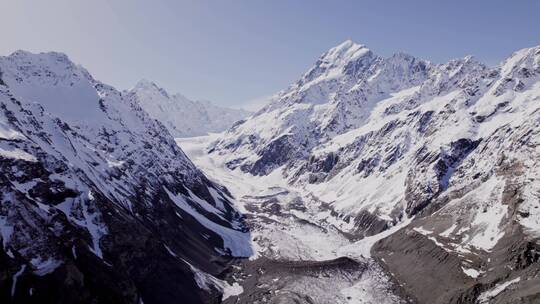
(300, 253)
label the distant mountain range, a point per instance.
(184, 117)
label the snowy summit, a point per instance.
(181, 116)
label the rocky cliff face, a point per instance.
(451, 148)
(98, 204)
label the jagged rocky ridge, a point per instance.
(98, 204)
(181, 116)
(451, 150)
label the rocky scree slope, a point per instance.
(181, 116)
(453, 146)
(97, 202)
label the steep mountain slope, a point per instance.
(181, 116)
(450, 149)
(301, 256)
(97, 202)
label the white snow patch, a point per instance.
(91, 221)
(231, 290)
(205, 280)
(362, 248)
(486, 296)
(422, 231)
(114, 163)
(170, 251)
(489, 222)
(434, 240)
(96, 229)
(17, 154)
(448, 231)
(15, 278)
(6, 132)
(473, 273)
(236, 241)
(44, 266)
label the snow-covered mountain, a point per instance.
(98, 204)
(181, 116)
(443, 156)
(370, 180)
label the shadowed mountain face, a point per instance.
(98, 204)
(447, 152)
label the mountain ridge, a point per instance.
(182, 116)
(98, 203)
(434, 149)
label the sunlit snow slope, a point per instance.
(379, 141)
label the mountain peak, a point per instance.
(346, 51)
(335, 61)
(55, 63)
(63, 88)
(27, 54)
(182, 116)
(145, 84)
(527, 58)
(347, 44)
(149, 86)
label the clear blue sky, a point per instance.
(233, 52)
